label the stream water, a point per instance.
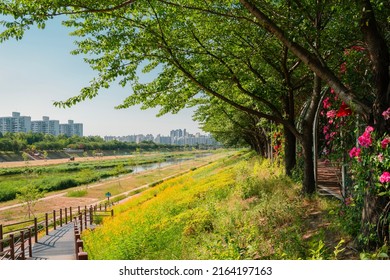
(151, 166)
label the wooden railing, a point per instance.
(16, 239)
(78, 228)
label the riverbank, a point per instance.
(93, 193)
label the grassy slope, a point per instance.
(232, 209)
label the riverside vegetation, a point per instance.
(240, 207)
(64, 176)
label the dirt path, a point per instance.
(8, 164)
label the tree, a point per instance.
(45, 155)
(26, 157)
(29, 196)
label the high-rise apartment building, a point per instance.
(46, 126)
(71, 128)
(18, 123)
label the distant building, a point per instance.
(18, 123)
(71, 129)
(176, 137)
(14, 124)
(46, 126)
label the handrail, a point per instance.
(13, 243)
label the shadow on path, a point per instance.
(58, 245)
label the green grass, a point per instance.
(77, 193)
(237, 208)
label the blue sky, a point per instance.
(39, 69)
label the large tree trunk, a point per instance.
(309, 186)
(375, 220)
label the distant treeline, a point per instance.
(17, 142)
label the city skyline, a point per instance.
(39, 69)
(23, 123)
(175, 137)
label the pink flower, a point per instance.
(355, 153)
(386, 114)
(369, 129)
(331, 114)
(365, 139)
(358, 48)
(327, 136)
(380, 157)
(385, 177)
(326, 103)
(385, 142)
(325, 130)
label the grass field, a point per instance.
(236, 208)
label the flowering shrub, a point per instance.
(371, 163)
(336, 121)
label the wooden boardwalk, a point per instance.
(329, 179)
(59, 244)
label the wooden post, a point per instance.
(81, 222)
(47, 223)
(85, 218)
(60, 217)
(70, 214)
(100, 207)
(29, 243)
(22, 245)
(112, 212)
(79, 209)
(82, 256)
(12, 246)
(66, 215)
(76, 237)
(80, 244)
(1, 238)
(105, 206)
(90, 215)
(54, 219)
(36, 229)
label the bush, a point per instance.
(77, 193)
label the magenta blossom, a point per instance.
(385, 142)
(331, 114)
(325, 130)
(365, 139)
(326, 103)
(369, 129)
(385, 177)
(386, 114)
(354, 152)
